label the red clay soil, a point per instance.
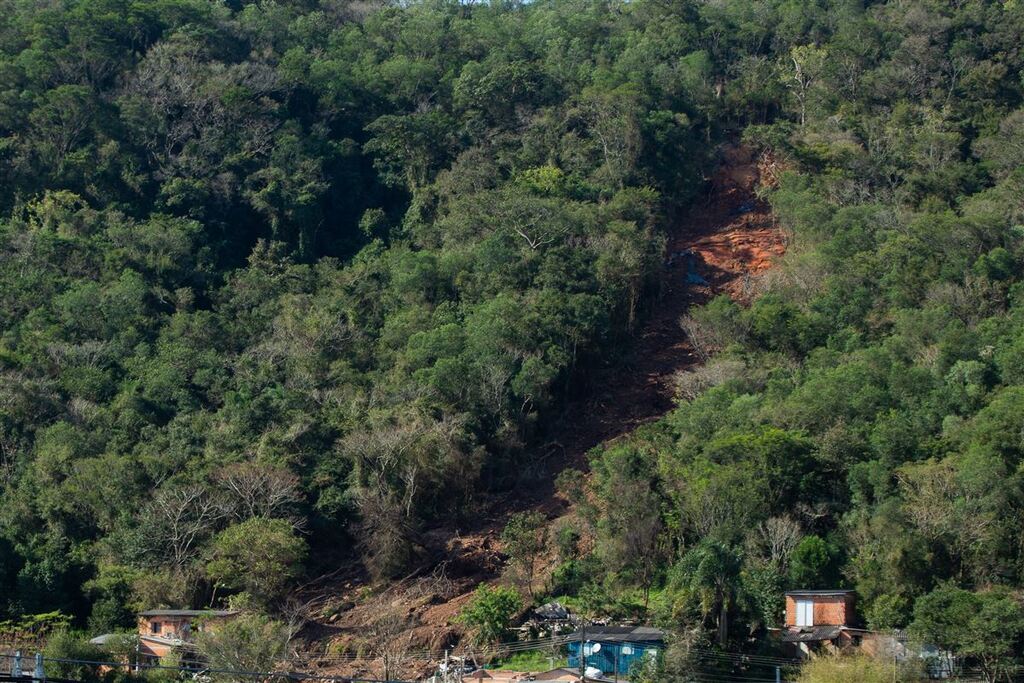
(733, 238)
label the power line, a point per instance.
(298, 675)
(718, 677)
(540, 643)
(512, 647)
(505, 649)
(748, 659)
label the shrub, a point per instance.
(490, 612)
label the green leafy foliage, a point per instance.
(853, 426)
(283, 286)
(366, 254)
(857, 668)
(985, 625)
(525, 538)
(248, 642)
(259, 556)
(490, 612)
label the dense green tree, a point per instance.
(258, 556)
(490, 613)
(986, 626)
(525, 539)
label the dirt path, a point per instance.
(720, 246)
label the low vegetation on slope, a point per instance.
(286, 283)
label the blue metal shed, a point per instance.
(615, 649)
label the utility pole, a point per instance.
(894, 642)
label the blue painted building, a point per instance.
(615, 649)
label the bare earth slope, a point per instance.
(721, 246)
(733, 238)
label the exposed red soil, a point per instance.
(733, 238)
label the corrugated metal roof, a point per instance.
(188, 613)
(813, 634)
(838, 591)
(621, 634)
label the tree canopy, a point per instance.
(285, 284)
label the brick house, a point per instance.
(814, 608)
(820, 620)
(161, 632)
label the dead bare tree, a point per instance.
(184, 516)
(392, 639)
(611, 119)
(256, 490)
(779, 537)
(700, 337)
(945, 505)
(8, 459)
(394, 460)
(692, 383)
(177, 85)
(386, 454)
(295, 613)
(495, 384)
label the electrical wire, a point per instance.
(296, 675)
(744, 658)
(516, 646)
(735, 658)
(722, 676)
(725, 678)
(752, 660)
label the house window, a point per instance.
(804, 613)
(154, 627)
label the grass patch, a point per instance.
(535, 660)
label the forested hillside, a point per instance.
(285, 284)
(307, 276)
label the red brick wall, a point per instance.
(835, 610)
(168, 625)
